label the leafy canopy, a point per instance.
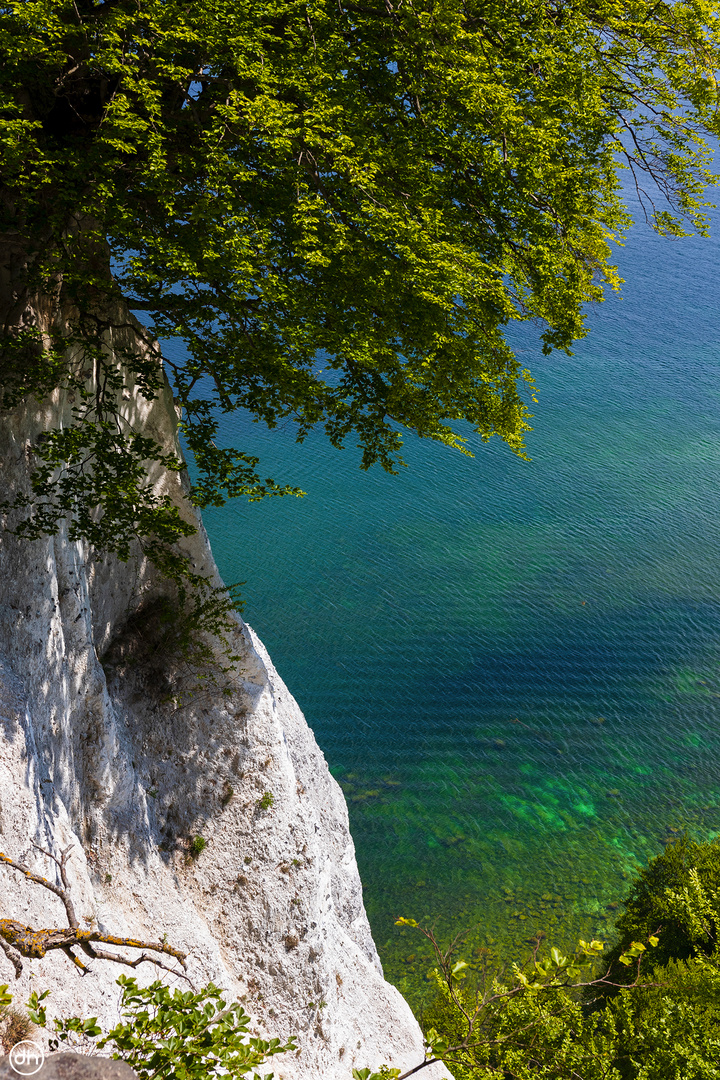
(337, 207)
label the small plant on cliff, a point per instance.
(266, 801)
(167, 640)
(197, 845)
(15, 1025)
(172, 1035)
(384, 1073)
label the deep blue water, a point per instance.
(514, 668)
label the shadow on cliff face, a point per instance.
(158, 641)
(182, 730)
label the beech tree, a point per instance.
(338, 208)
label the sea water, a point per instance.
(513, 667)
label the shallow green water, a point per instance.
(514, 669)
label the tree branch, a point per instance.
(34, 944)
(17, 940)
(13, 956)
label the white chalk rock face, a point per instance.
(108, 750)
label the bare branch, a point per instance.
(61, 863)
(422, 1065)
(34, 944)
(38, 880)
(13, 956)
(18, 940)
(118, 958)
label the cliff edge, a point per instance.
(105, 751)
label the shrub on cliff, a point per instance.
(668, 1031)
(172, 1034)
(652, 905)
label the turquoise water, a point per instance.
(514, 668)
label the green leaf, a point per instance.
(339, 213)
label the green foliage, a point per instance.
(70, 1026)
(337, 208)
(671, 1031)
(36, 1010)
(198, 606)
(666, 1033)
(91, 473)
(673, 897)
(525, 1022)
(534, 1034)
(384, 1073)
(28, 365)
(266, 801)
(174, 1035)
(197, 846)
(649, 1011)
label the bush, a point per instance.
(197, 845)
(173, 1035)
(670, 1031)
(666, 1031)
(651, 906)
(521, 1033)
(655, 1016)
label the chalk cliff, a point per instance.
(98, 754)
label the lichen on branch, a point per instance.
(18, 940)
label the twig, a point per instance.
(32, 876)
(61, 863)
